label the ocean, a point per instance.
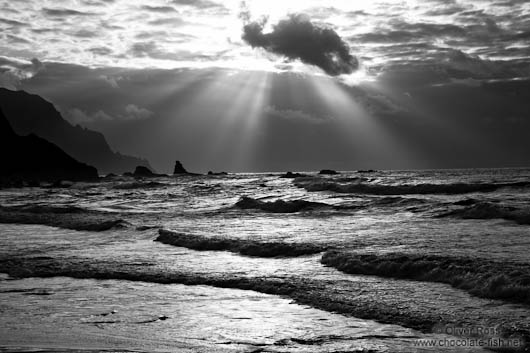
(365, 261)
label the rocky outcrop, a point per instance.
(31, 114)
(366, 171)
(291, 175)
(179, 168)
(31, 158)
(142, 171)
(328, 172)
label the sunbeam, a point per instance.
(370, 138)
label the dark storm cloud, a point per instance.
(298, 38)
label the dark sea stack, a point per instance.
(179, 168)
(328, 172)
(31, 114)
(217, 173)
(31, 158)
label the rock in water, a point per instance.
(142, 171)
(291, 175)
(179, 168)
(217, 173)
(328, 172)
(33, 158)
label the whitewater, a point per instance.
(367, 261)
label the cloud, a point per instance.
(197, 33)
(200, 4)
(173, 21)
(296, 115)
(78, 116)
(102, 51)
(112, 81)
(143, 49)
(151, 49)
(407, 32)
(14, 71)
(130, 112)
(158, 9)
(65, 12)
(85, 33)
(14, 23)
(298, 38)
(17, 39)
(136, 113)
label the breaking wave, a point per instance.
(358, 187)
(68, 217)
(139, 185)
(488, 210)
(480, 277)
(36, 209)
(307, 291)
(279, 206)
(242, 246)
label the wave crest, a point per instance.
(279, 206)
(139, 185)
(480, 277)
(488, 210)
(242, 246)
(68, 217)
(358, 187)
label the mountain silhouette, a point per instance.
(33, 158)
(29, 113)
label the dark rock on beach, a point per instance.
(31, 158)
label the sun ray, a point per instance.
(370, 137)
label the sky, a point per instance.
(283, 85)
